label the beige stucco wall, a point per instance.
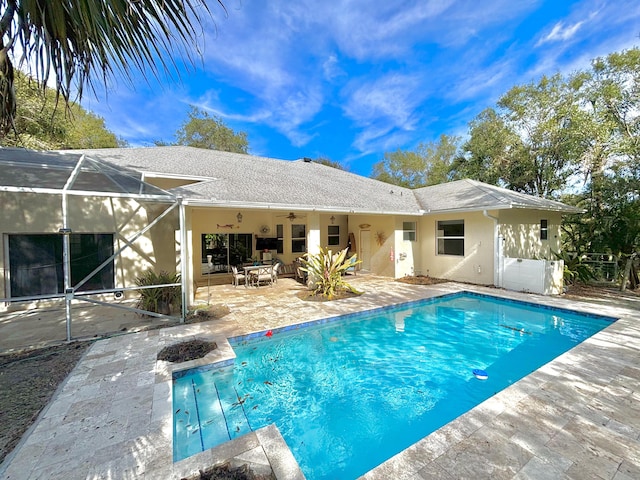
(380, 231)
(477, 264)
(521, 232)
(40, 213)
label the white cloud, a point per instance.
(383, 108)
(560, 32)
(331, 68)
(393, 97)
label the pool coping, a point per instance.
(128, 368)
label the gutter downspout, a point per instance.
(498, 259)
(184, 269)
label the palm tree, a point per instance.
(77, 41)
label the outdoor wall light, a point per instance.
(239, 217)
(333, 219)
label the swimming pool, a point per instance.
(350, 393)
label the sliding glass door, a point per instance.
(226, 249)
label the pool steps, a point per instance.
(208, 415)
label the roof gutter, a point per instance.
(505, 207)
(297, 208)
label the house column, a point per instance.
(313, 235)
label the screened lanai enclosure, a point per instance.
(76, 231)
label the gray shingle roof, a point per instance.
(246, 180)
(465, 195)
(261, 182)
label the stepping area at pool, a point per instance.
(576, 417)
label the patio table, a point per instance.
(255, 268)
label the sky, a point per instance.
(349, 80)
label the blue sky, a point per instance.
(353, 79)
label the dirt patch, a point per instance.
(226, 472)
(186, 351)
(592, 291)
(28, 380)
(420, 280)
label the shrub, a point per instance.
(326, 271)
(159, 299)
(574, 268)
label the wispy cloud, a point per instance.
(382, 107)
(560, 33)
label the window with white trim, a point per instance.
(409, 231)
(544, 229)
(450, 237)
(333, 235)
(298, 238)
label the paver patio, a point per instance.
(576, 417)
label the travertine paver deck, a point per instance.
(577, 417)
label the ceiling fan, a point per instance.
(292, 216)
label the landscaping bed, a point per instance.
(421, 280)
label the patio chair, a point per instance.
(352, 265)
(300, 275)
(263, 274)
(274, 273)
(237, 277)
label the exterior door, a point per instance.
(365, 249)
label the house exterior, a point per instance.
(138, 207)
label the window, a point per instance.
(544, 229)
(450, 237)
(333, 235)
(409, 231)
(36, 263)
(298, 238)
(280, 237)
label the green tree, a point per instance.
(547, 117)
(487, 150)
(204, 131)
(610, 94)
(329, 163)
(430, 164)
(78, 41)
(39, 124)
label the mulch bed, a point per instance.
(186, 351)
(420, 280)
(207, 312)
(309, 296)
(226, 472)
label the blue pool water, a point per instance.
(354, 391)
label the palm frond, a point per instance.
(79, 41)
